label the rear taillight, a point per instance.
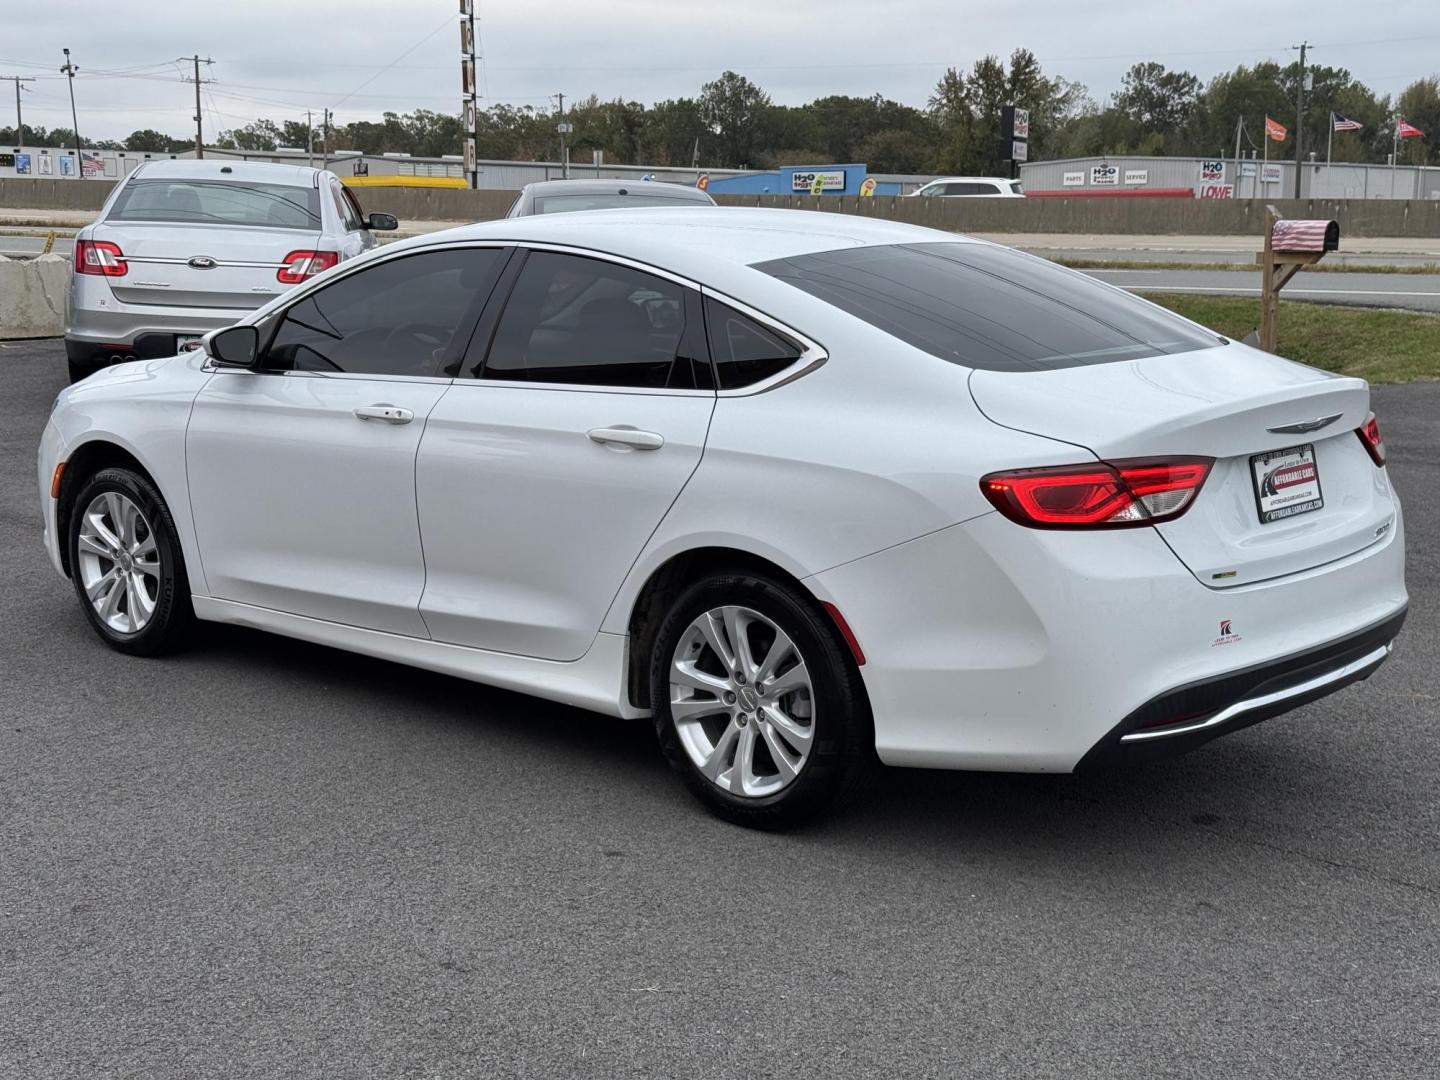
(1369, 433)
(300, 265)
(99, 257)
(1106, 495)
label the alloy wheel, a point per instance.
(119, 562)
(742, 701)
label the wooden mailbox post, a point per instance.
(1290, 245)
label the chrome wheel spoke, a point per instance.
(138, 603)
(795, 678)
(109, 603)
(780, 648)
(96, 528)
(737, 626)
(714, 632)
(725, 704)
(742, 773)
(145, 548)
(786, 760)
(719, 756)
(694, 708)
(685, 673)
(798, 736)
(89, 544)
(98, 589)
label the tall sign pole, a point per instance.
(70, 69)
(1300, 89)
(469, 57)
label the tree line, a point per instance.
(733, 123)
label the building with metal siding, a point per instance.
(1249, 176)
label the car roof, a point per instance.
(228, 169)
(715, 245)
(609, 186)
(968, 180)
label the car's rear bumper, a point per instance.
(99, 327)
(1184, 718)
(992, 646)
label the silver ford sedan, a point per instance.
(184, 247)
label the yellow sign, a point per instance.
(818, 186)
(703, 183)
(867, 186)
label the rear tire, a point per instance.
(127, 566)
(770, 734)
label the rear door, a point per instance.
(191, 242)
(543, 472)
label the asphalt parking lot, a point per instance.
(268, 859)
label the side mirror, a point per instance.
(235, 346)
(382, 222)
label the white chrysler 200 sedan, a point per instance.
(803, 488)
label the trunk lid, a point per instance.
(1232, 403)
(161, 271)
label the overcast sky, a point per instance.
(275, 58)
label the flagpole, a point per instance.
(1329, 142)
(1394, 153)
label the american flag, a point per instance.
(1340, 123)
(91, 165)
(1408, 131)
(1293, 234)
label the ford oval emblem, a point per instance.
(203, 262)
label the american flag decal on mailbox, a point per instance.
(1297, 235)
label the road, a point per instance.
(268, 859)
(1417, 292)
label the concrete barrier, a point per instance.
(32, 296)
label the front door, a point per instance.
(543, 473)
(302, 473)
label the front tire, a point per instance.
(757, 704)
(127, 566)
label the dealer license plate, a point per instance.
(1287, 482)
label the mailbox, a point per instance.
(1297, 235)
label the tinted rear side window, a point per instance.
(218, 202)
(989, 307)
(558, 204)
(743, 351)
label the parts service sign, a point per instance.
(1105, 175)
(828, 181)
(1073, 179)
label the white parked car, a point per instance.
(803, 488)
(950, 187)
(182, 247)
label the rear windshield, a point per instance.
(555, 204)
(219, 202)
(989, 307)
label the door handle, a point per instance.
(626, 436)
(387, 414)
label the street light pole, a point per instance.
(70, 70)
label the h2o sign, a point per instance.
(1105, 175)
(829, 181)
(1212, 172)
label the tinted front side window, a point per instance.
(575, 320)
(744, 352)
(989, 307)
(400, 317)
(218, 202)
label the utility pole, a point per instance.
(199, 132)
(564, 130)
(70, 69)
(19, 120)
(325, 134)
(1300, 116)
(309, 141)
